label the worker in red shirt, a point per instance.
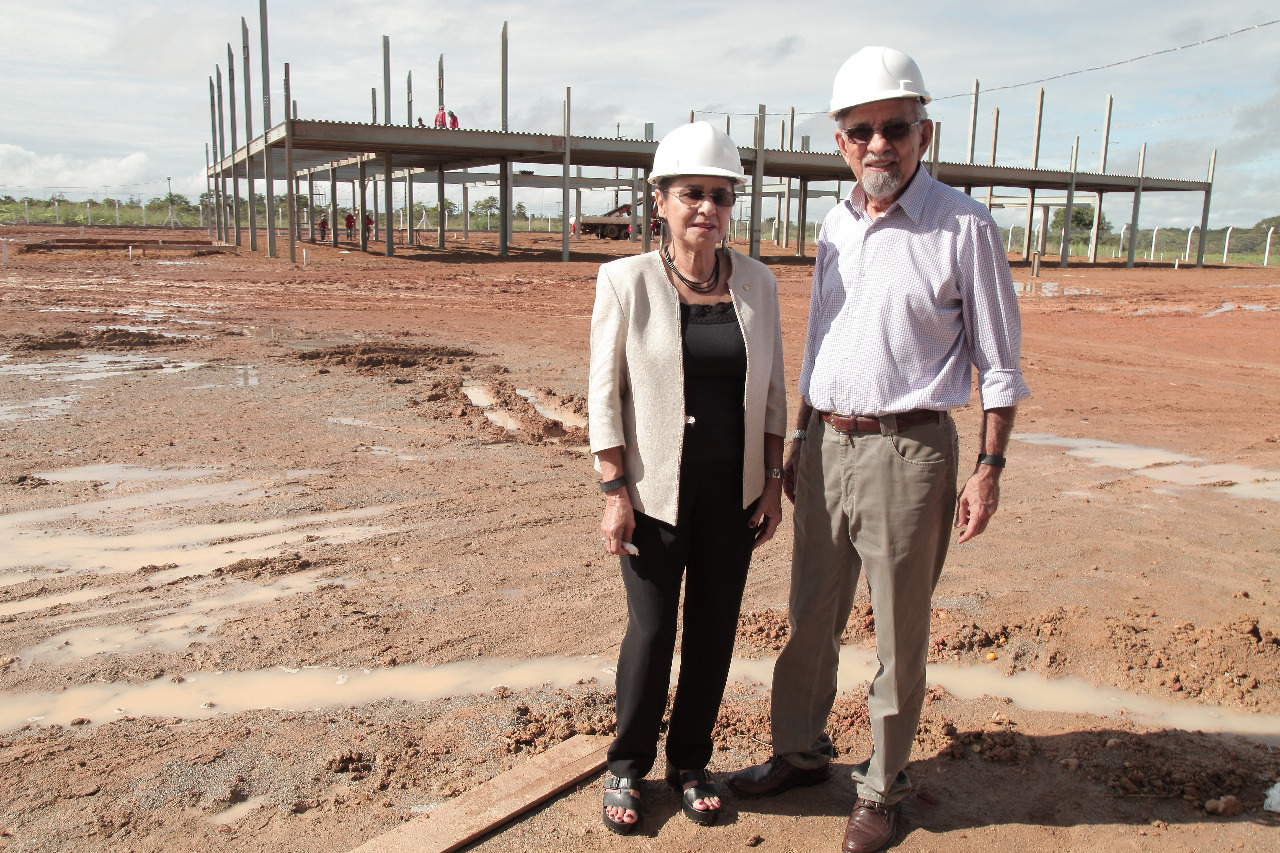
(441, 121)
(351, 226)
(453, 120)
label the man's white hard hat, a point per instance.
(876, 74)
(697, 149)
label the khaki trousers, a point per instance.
(882, 503)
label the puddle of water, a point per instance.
(193, 494)
(1108, 453)
(353, 422)
(479, 396)
(88, 366)
(204, 695)
(173, 628)
(1167, 467)
(1226, 306)
(564, 416)
(1051, 288)
(37, 410)
(246, 375)
(379, 450)
(195, 549)
(239, 810)
(121, 473)
(44, 602)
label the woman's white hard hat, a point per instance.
(876, 74)
(697, 148)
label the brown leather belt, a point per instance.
(906, 420)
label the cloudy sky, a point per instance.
(109, 99)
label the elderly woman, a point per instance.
(687, 414)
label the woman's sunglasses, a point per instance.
(694, 196)
(894, 131)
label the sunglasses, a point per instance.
(894, 131)
(694, 196)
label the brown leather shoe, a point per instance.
(773, 777)
(871, 827)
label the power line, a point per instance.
(1047, 79)
(1119, 62)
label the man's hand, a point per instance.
(978, 502)
(789, 470)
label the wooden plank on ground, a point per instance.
(456, 823)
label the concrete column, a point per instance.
(504, 193)
(248, 136)
(360, 214)
(311, 195)
(564, 188)
(377, 216)
(802, 211)
(757, 181)
(577, 205)
(637, 193)
(291, 210)
(973, 127)
(266, 129)
(1071, 197)
(937, 147)
(440, 82)
(995, 133)
(440, 208)
(235, 180)
(1204, 212)
(408, 122)
(333, 206)
(777, 216)
(373, 105)
(786, 207)
(389, 232)
(646, 223)
(466, 211)
(1102, 170)
(222, 152)
(409, 237)
(217, 195)
(1137, 203)
(386, 94)
(1035, 160)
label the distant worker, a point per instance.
(441, 120)
(351, 226)
(368, 226)
(420, 123)
(453, 120)
(324, 227)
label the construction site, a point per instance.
(302, 530)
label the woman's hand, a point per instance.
(768, 514)
(619, 521)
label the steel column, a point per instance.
(757, 188)
(1137, 203)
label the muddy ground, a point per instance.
(291, 556)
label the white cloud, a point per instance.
(26, 173)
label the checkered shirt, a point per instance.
(903, 305)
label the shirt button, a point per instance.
(746, 287)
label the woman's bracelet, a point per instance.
(616, 483)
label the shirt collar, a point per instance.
(911, 201)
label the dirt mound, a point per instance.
(539, 722)
(104, 338)
(268, 567)
(375, 356)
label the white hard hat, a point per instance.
(697, 149)
(876, 74)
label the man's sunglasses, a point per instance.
(894, 131)
(694, 196)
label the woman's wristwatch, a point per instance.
(774, 473)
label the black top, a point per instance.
(715, 376)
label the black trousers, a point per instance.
(710, 549)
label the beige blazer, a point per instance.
(636, 396)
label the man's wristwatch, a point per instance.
(991, 459)
(799, 434)
(774, 473)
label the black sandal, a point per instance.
(617, 794)
(703, 788)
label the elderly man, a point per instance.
(911, 289)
